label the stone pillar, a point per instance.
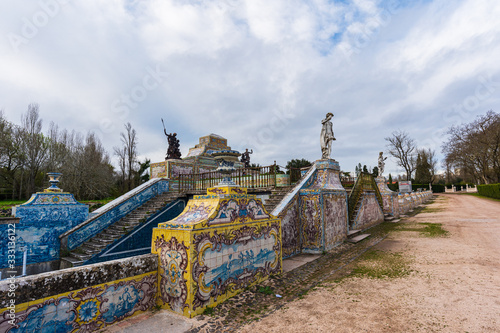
(323, 209)
(390, 198)
(43, 218)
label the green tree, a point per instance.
(297, 164)
(425, 169)
(141, 176)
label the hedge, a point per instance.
(491, 191)
(436, 188)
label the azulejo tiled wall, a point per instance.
(84, 309)
(42, 219)
(314, 214)
(370, 213)
(323, 209)
(112, 212)
(222, 243)
(389, 198)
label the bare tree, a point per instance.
(403, 149)
(127, 156)
(474, 149)
(121, 153)
(35, 144)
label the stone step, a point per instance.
(394, 221)
(111, 233)
(358, 238)
(353, 232)
(89, 250)
(80, 256)
(103, 238)
(273, 201)
(128, 223)
(120, 228)
(107, 239)
(71, 262)
(98, 246)
(388, 218)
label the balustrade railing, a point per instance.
(257, 177)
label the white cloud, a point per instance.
(261, 73)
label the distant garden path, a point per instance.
(422, 280)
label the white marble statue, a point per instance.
(326, 137)
(381, 163)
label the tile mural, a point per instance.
(222, 243)
(84, 310)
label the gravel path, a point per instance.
(448, 283)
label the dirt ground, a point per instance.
(447, 283)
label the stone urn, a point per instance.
(53, 181)
(225, 160)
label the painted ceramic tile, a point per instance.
(86, 310)
(310, 215)
(174, 260)
(231, 262)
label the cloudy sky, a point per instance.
(262, 73)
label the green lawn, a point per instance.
(9, 203)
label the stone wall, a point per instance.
(79, 299)
(370, 213)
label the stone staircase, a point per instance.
(355, 236)
(115, 231)
(277, 195)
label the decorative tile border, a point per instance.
(84, 310)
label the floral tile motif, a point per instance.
(310, 215)
(174, 261)
(335, 207)
(290, 225)
(85, 310)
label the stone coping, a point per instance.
(39, 286)
(9, 220)
(290, 195)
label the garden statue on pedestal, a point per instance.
(245, 158)
(173, 151)
(381, 163)
(326, 136)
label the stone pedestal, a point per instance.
(390, 198)
(43, 218)
(323, 209)
(222, 243)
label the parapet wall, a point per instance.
(79, 299)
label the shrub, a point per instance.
(436, 188)
(491, 191)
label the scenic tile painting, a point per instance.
(85, 310)
(220, 245)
